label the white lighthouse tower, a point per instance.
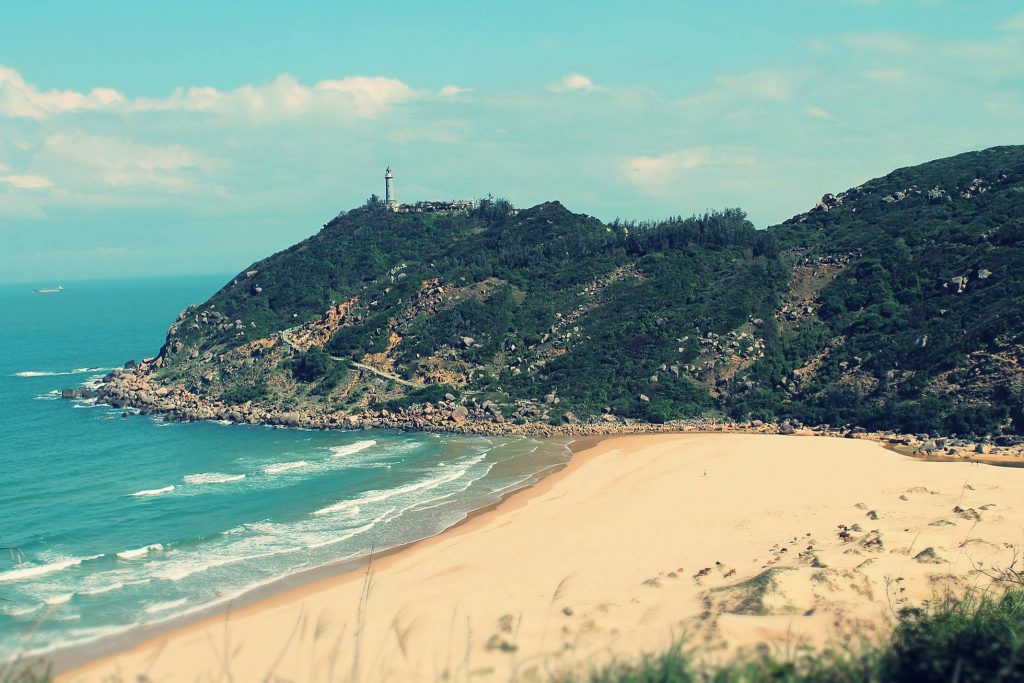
(389, 190)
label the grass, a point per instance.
(977, 638)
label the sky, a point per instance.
(150, 138)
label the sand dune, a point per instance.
(736, 540)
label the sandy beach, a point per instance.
(736, 540)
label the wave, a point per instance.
(19, 611)
(59, 599)
(153, 492)
(380, 495)
(164, 606)
(211, 478)
(279, 467)
(102, 589)
(35, 570)
(54, 373)
(349, 449)
(140, 552)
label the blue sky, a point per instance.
(162, 138)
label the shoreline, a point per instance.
(138, 390)
(69, 659)
(613, 459)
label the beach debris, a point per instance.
(505, 623)
(872, 540)
(496, 642)
(942, 522)
(653, 583)
(928, 556)
(567, 611)
(872, 514)
(969, 513)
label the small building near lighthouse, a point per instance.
(433, 206)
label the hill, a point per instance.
(895, 304)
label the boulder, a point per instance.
(459, 414)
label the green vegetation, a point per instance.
(432, 394)
(974, 640)
(896, 305)
(905, 325)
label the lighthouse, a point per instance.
(389, 190)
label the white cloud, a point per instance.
(26, 182)
(106, 162)
(1014, 22)
(892, 43)
(24, 100)
(817, 112)
(453, 90)
(575, 83)
(369, 95)
(284, 97)
(652, 173)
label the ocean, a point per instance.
(108, 523)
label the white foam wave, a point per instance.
(153, 492)
(32, 571)
(380, 495)
(349, 449)
(140, 552)
(56, 373)
(102, 589)
(59, 599)
(164, 606)
(193, 565)
(211, 478)
(279, 467)
(19, 611)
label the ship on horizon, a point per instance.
(58, 290)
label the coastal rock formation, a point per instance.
(890, 306)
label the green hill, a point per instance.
(894, 304)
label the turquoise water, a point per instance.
(122, 521)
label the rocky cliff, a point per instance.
(896, 304)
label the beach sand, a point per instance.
(731, 539)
